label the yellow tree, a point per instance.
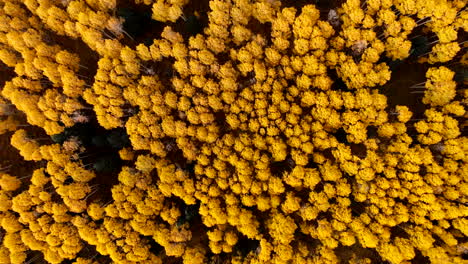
(9, 124)
(9, 183)
(28, 148)
(440, 86)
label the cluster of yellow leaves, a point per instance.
(169, 10)
(47, 85)
(253, 130)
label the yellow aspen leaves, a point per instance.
(9, 183)
(235, 125)
(440, 86)
(278, 150)
(282, 228)
(404, 114)
(443, 52)
(291, 204)
(397, 48)
(9, 124)
(264, 11)
(28, 148)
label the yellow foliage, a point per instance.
(269, 126)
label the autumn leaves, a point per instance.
(234, 103)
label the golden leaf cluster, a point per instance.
(272, 124)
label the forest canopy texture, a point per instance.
(233, 131)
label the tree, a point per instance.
(9, 183)
(28, 148)
(440, 86)
(282, 228)
(9, 124)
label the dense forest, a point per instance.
(233, 131)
